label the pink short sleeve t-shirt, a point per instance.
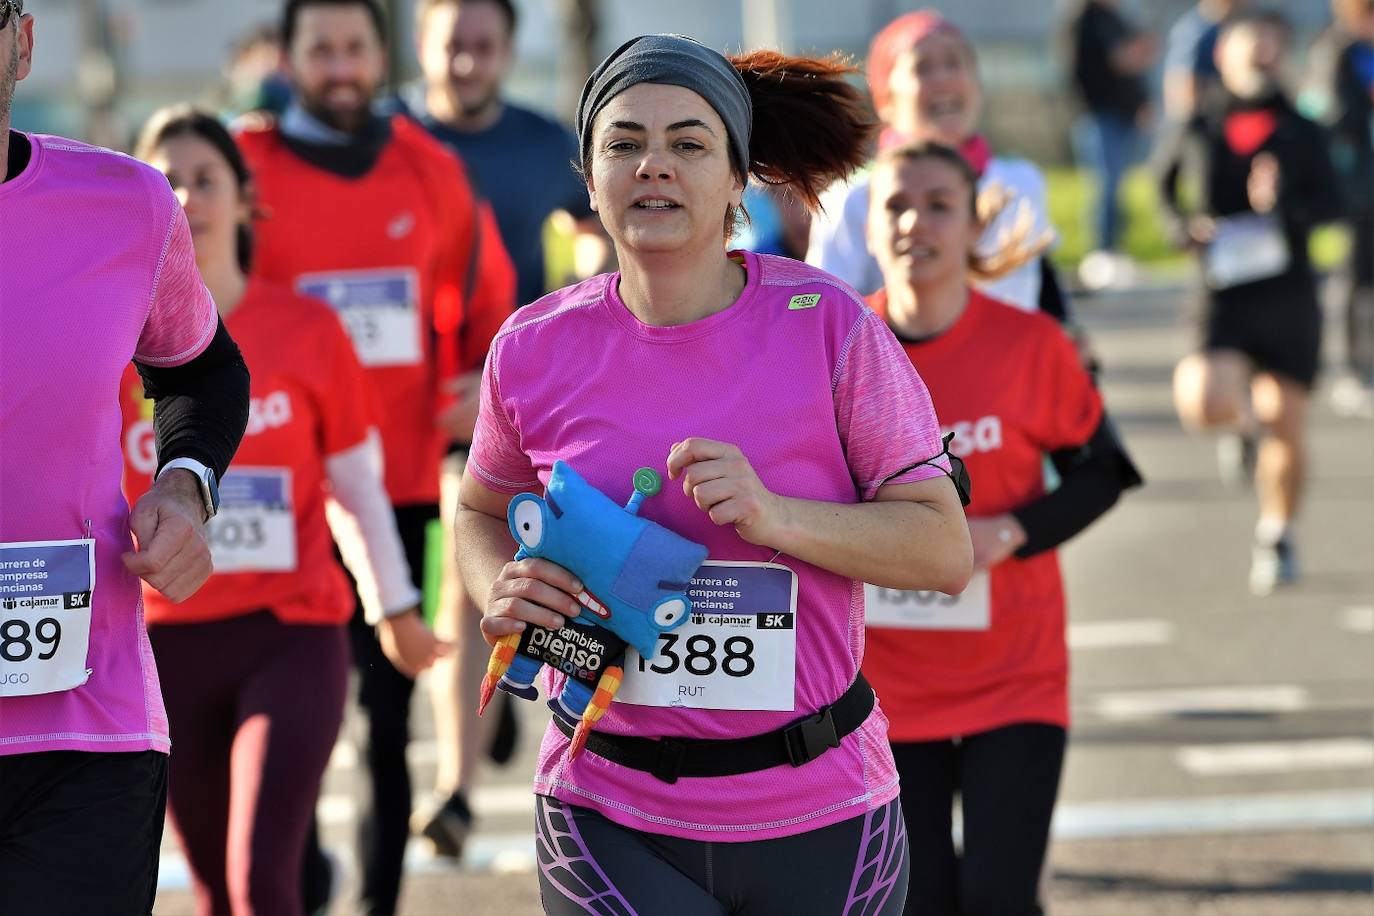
(106, 273)
(817, 393)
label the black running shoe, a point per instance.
(446, 827)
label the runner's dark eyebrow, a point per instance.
(692, 122)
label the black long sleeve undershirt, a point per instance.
(200, 408)
(1092, 478)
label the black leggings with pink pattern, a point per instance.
(588, 864)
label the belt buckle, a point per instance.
(811, 737)
(668, 760)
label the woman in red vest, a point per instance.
(976, 686)
(254, 667)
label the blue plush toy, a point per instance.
(635, 575)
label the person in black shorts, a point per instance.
(1262, 178)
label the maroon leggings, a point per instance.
(254, 707)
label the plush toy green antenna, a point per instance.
(647, 483)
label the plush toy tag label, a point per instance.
(580, 652)
(738, 651)
(912, 610)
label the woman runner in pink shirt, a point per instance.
(745, 766)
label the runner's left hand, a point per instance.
(722, 482)
(994, 539)
(170, 551)
(409, 644)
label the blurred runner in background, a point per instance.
(376, 218)
(1108, 60)
(1190, 67)
(1262, 178)
(255, 666)
(522, 163)
(1340, 93)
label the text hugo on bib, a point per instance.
(738, 651)
(46, 590)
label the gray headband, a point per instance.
(671, 60)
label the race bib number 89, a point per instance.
(738, 651)
(46, 588)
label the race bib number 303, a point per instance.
(255, 529)
(46, 588)
(912, 610)
(380, 308)
(738, 651)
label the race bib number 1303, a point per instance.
(971, 609)
(739, 650)
(255, 530)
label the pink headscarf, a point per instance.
(897, 37)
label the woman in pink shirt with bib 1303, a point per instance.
(801, 448)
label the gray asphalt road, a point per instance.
(1221, 760)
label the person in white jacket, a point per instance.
(923, 75)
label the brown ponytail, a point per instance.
(811, 125)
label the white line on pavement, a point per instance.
(1115, 634)
(1215, 814)
(514, 852)
(1277, 756)
(1145, 704)
(1358, 619)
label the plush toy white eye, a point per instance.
(529, 523)
(670, 612)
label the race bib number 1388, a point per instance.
(739, 650)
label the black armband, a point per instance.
(200, 408)
(957, 473)
(1092, 478)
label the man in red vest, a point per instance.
(376, 218)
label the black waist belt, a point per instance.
(799, 743)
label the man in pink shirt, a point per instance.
(108, 275)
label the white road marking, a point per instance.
(1358, 619)
(1145, 704)
(1115, 634)
(514, 852)
(1277, 756)
(1216, 814)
